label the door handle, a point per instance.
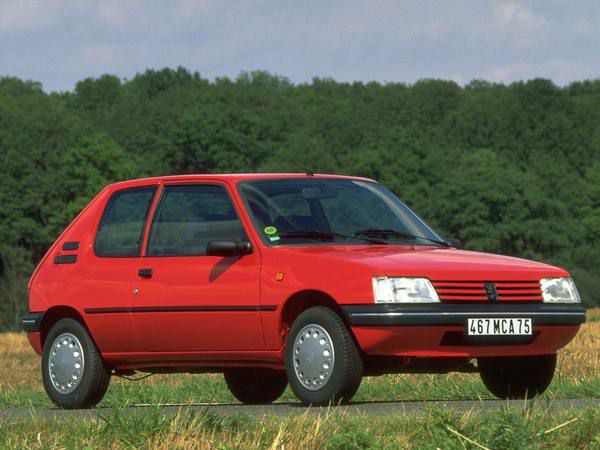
(145, 273)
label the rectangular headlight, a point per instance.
(559, 290)
(403, 290)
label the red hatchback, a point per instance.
(311, 280)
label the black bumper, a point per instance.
(457, 314)
(32, 321)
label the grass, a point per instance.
(509, 428)
(593, 315)
(578, 375)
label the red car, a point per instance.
(311, 280)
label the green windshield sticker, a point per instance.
(273, 238)
(270, 230)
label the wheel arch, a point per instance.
(301, 301)
(56, 313)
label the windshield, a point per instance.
(332, 211)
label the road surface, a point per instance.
(286, 409)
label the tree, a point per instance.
(506, 168)
(208, 141)
(84, 170)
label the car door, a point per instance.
(188, 301)
(107, 284)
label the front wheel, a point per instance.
(255, 386)
(516, 377)
(322, 363)
(73, 372)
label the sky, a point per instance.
(60, 42)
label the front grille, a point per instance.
(474, 291)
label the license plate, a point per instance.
(499, 327)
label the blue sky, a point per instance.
(60, 42)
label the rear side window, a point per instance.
(188, 216)
(121, 229)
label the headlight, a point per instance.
(403, 290)
(559, 290)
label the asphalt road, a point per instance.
(286, 409)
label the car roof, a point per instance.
(229, 177)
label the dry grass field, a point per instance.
(578, 364)
(581, 358)
(578, 375)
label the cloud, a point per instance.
(511, 24)
(561, 71)
(18, 16)
(513, 16)
(116, 13)
(62, 41)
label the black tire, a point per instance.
(517, 377)
(255, 386)
(94, 378)
(346, 374)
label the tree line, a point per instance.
(511, 169)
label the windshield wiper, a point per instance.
(399, 234)
(327, 236)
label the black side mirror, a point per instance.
(228, 247)
(454, 242)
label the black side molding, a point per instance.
(169, 309)
(73, 245)
(65, 259)
(32, 321)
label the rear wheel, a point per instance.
(255, 385)
(73, 372)
(322, 363)
(515, 377)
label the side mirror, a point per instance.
(228, 247)
(454, 242)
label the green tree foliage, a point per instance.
(512, 169)
(212, 141)
(84, 169)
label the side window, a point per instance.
(122, 225)
(188, 216)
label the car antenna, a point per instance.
(303, 169)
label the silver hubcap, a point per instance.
(66, 363)
(313, 357)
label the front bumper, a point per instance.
(439, 330)
(457, 314)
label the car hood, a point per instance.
(431, 262)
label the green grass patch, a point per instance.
(509, 428)
(187, 389)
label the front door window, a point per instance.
(188, 217)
